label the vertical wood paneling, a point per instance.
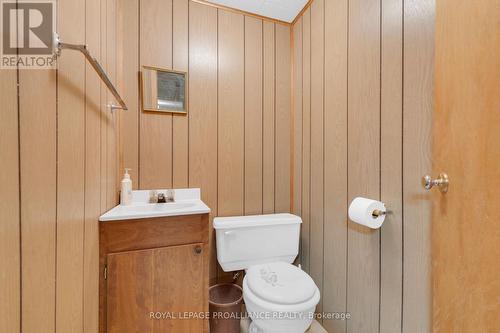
(317, 152)
(268, 118)
(283, 119)
(252, 135)
(391, 251)
(92, 172)
(203, 107)
(156, 127)
(335, 148)
(37, 108)
(128, 64)
(297, 117)
(259, 94)
(253, 116)
(230, 113)
(231, 117)
(418, 88)
(180, 140)
(104, 114)
(10, 279)
(306, 140)
(365, 134)
(68, 157)
(70, 171)
(113, 124)
(363, 162)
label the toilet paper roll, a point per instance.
(361, 211)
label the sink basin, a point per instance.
(159, 207)
(187, 202)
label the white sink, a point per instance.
(187, 202)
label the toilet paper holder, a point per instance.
(377, 212)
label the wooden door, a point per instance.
(150, 290)
(466, 220)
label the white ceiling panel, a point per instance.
(283, 10)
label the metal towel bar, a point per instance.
(59, 46)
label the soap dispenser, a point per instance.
(126, 192)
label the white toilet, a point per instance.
(279, 297)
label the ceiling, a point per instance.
(283, 10)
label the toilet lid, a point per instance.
(281, 283)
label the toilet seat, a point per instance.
(280, 283)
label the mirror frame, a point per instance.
(160, 69)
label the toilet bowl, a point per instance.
(279, 297)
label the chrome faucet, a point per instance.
(161, 198)
(168, 196)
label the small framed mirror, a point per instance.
(163, 90)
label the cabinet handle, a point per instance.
(197, 249)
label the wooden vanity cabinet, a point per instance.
(154, 275)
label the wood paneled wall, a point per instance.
(358, 124)
(235, 142)
(59, 148)
(362, 101)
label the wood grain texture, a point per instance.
(70, 172)
(171, 296)
(105, 116)
(37, 111)
(180, 125)
(335, 163)
(255, 156)
(154, 235)
(68, 157)
(203, 108)
(268, 122)
(253, 116)
(155, 127)
(113, 118)
(466, 145)
(306, 141)
(92, 174)
(317, 145)
(418, 104)
(391, 242)
(297, 117)
(230, 133)
(140, 283)
(150, 233)
(222, 141)
(364, 162)
(231, 121)
(10, 256)
(363, 144)
(283, 119)
(130, 291)
(128, 83)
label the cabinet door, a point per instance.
(147, 284)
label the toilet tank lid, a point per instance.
(255, 220)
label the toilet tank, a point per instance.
(244, 241)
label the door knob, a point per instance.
(442, 182)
